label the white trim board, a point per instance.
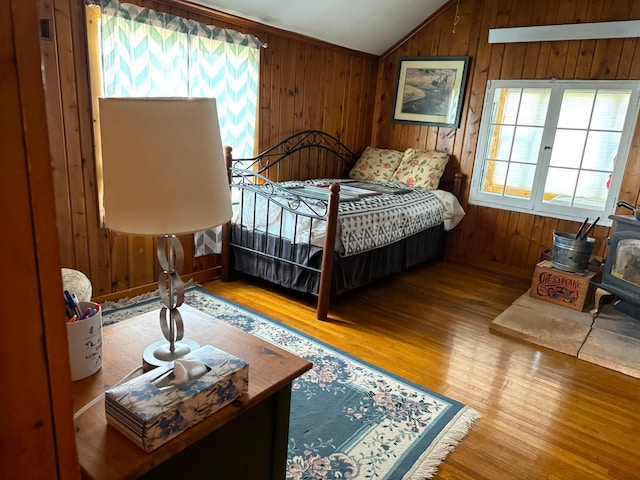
(572, 31)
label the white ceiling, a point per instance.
(371, 26)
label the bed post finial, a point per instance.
(225, 256)
(228, 159)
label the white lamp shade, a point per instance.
(163, 165)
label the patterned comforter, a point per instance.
(364, 224)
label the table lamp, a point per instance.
(164, 175)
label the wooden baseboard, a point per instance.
(198, 277)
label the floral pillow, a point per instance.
(376, 164)
(421, 168)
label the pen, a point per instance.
(72, 301)
(76, 303)
(68, 309)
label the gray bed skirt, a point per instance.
(348, 272)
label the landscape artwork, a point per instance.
(430, 90)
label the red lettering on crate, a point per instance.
(559, 287)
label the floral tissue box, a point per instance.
(151, 409)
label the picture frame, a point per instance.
(430, 90)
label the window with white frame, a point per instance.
(556, 148)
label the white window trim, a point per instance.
(534, 205)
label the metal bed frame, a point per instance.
(306, 155)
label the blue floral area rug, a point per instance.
(349, 419)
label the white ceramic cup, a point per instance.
(85, 343)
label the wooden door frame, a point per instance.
(37, 433)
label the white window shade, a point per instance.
(554, 148)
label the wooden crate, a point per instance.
(571, 290)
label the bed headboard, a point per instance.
(302, 156)
(311, 154)
(454, 186)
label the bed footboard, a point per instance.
(272, 241)
(310, 154)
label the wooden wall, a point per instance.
(309, 84)
(500, 240)
(36, 432)
(304, 84)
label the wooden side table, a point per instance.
(247, 439)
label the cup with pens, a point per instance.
(84, 334)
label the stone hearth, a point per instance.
(612, 340)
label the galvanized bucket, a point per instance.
(570, 254)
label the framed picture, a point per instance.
(430, 90)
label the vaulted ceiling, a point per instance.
(371, 26)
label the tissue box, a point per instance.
(150, 415)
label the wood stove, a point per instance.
(621, 269)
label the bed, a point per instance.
(310, 216)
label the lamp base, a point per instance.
(158, 353)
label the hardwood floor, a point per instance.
(544, 414)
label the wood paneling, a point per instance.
(500, 240)
(304, 83)
(37, 439)
(543, 414)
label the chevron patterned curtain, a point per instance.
(152, 54)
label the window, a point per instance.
(554, 148)
(144, 53)
(138, 52)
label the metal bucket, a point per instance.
(570, 254)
